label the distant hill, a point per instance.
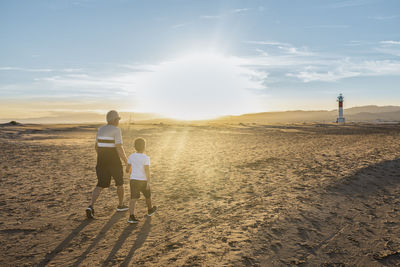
(375, 117)
(356, 114)
(84, 117)
(372, 109)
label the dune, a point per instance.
(228, 195)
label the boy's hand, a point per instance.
(128, 168)
(148, 186)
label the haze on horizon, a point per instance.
(196, 59)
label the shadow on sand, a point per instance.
(344, 199)
(64, 243)
(374, 179)
(141, 238)
(115, 218)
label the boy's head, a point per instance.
(140, 144)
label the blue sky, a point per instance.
(83, 55)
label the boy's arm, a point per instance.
(147, 171)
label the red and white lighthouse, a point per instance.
(340, 99)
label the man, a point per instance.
(109, 152)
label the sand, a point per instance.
(228, 195)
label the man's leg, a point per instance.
(95, 195)
(148, 203)
(120, 193)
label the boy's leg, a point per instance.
(132, 204)
(135, 194)
(150, 208)
(132, 218)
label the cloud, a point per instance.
(178, 88)
(176, 26)
(356, 43)
(25, 69)
(350, 3)
(389, 47)
(186, 84)
(330, 76)
(266, 43)
(88, 84)
(240, 10)
(307, 66)
(284, 47)
(40, 69)
(333, 26)
(211, 17)
(390, 42)
(384, 17)
(346, 69)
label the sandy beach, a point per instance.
(228, 195)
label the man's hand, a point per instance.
(128, 168)
(148, 186)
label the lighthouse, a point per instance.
(340, 119)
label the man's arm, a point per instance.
(147, 171)
(121, 153)
(96, 146)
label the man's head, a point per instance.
(113, 117)
(140, 144)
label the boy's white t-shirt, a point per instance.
(138, 161)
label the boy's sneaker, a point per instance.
(152, 211)
(132, 219)
(90, 212)
(122, 208)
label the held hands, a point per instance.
(128, 168)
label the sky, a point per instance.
(193, 59)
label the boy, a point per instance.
(139, 167)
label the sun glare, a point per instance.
(200, 86)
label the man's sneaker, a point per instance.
(90, 212)
(152, 211)
(122, 208)
(132, 219)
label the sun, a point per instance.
(200, 86)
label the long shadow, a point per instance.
(141, 238)
(115, 218)
(64, 243)
(121, 240)
(369, 180)
(366, 183)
